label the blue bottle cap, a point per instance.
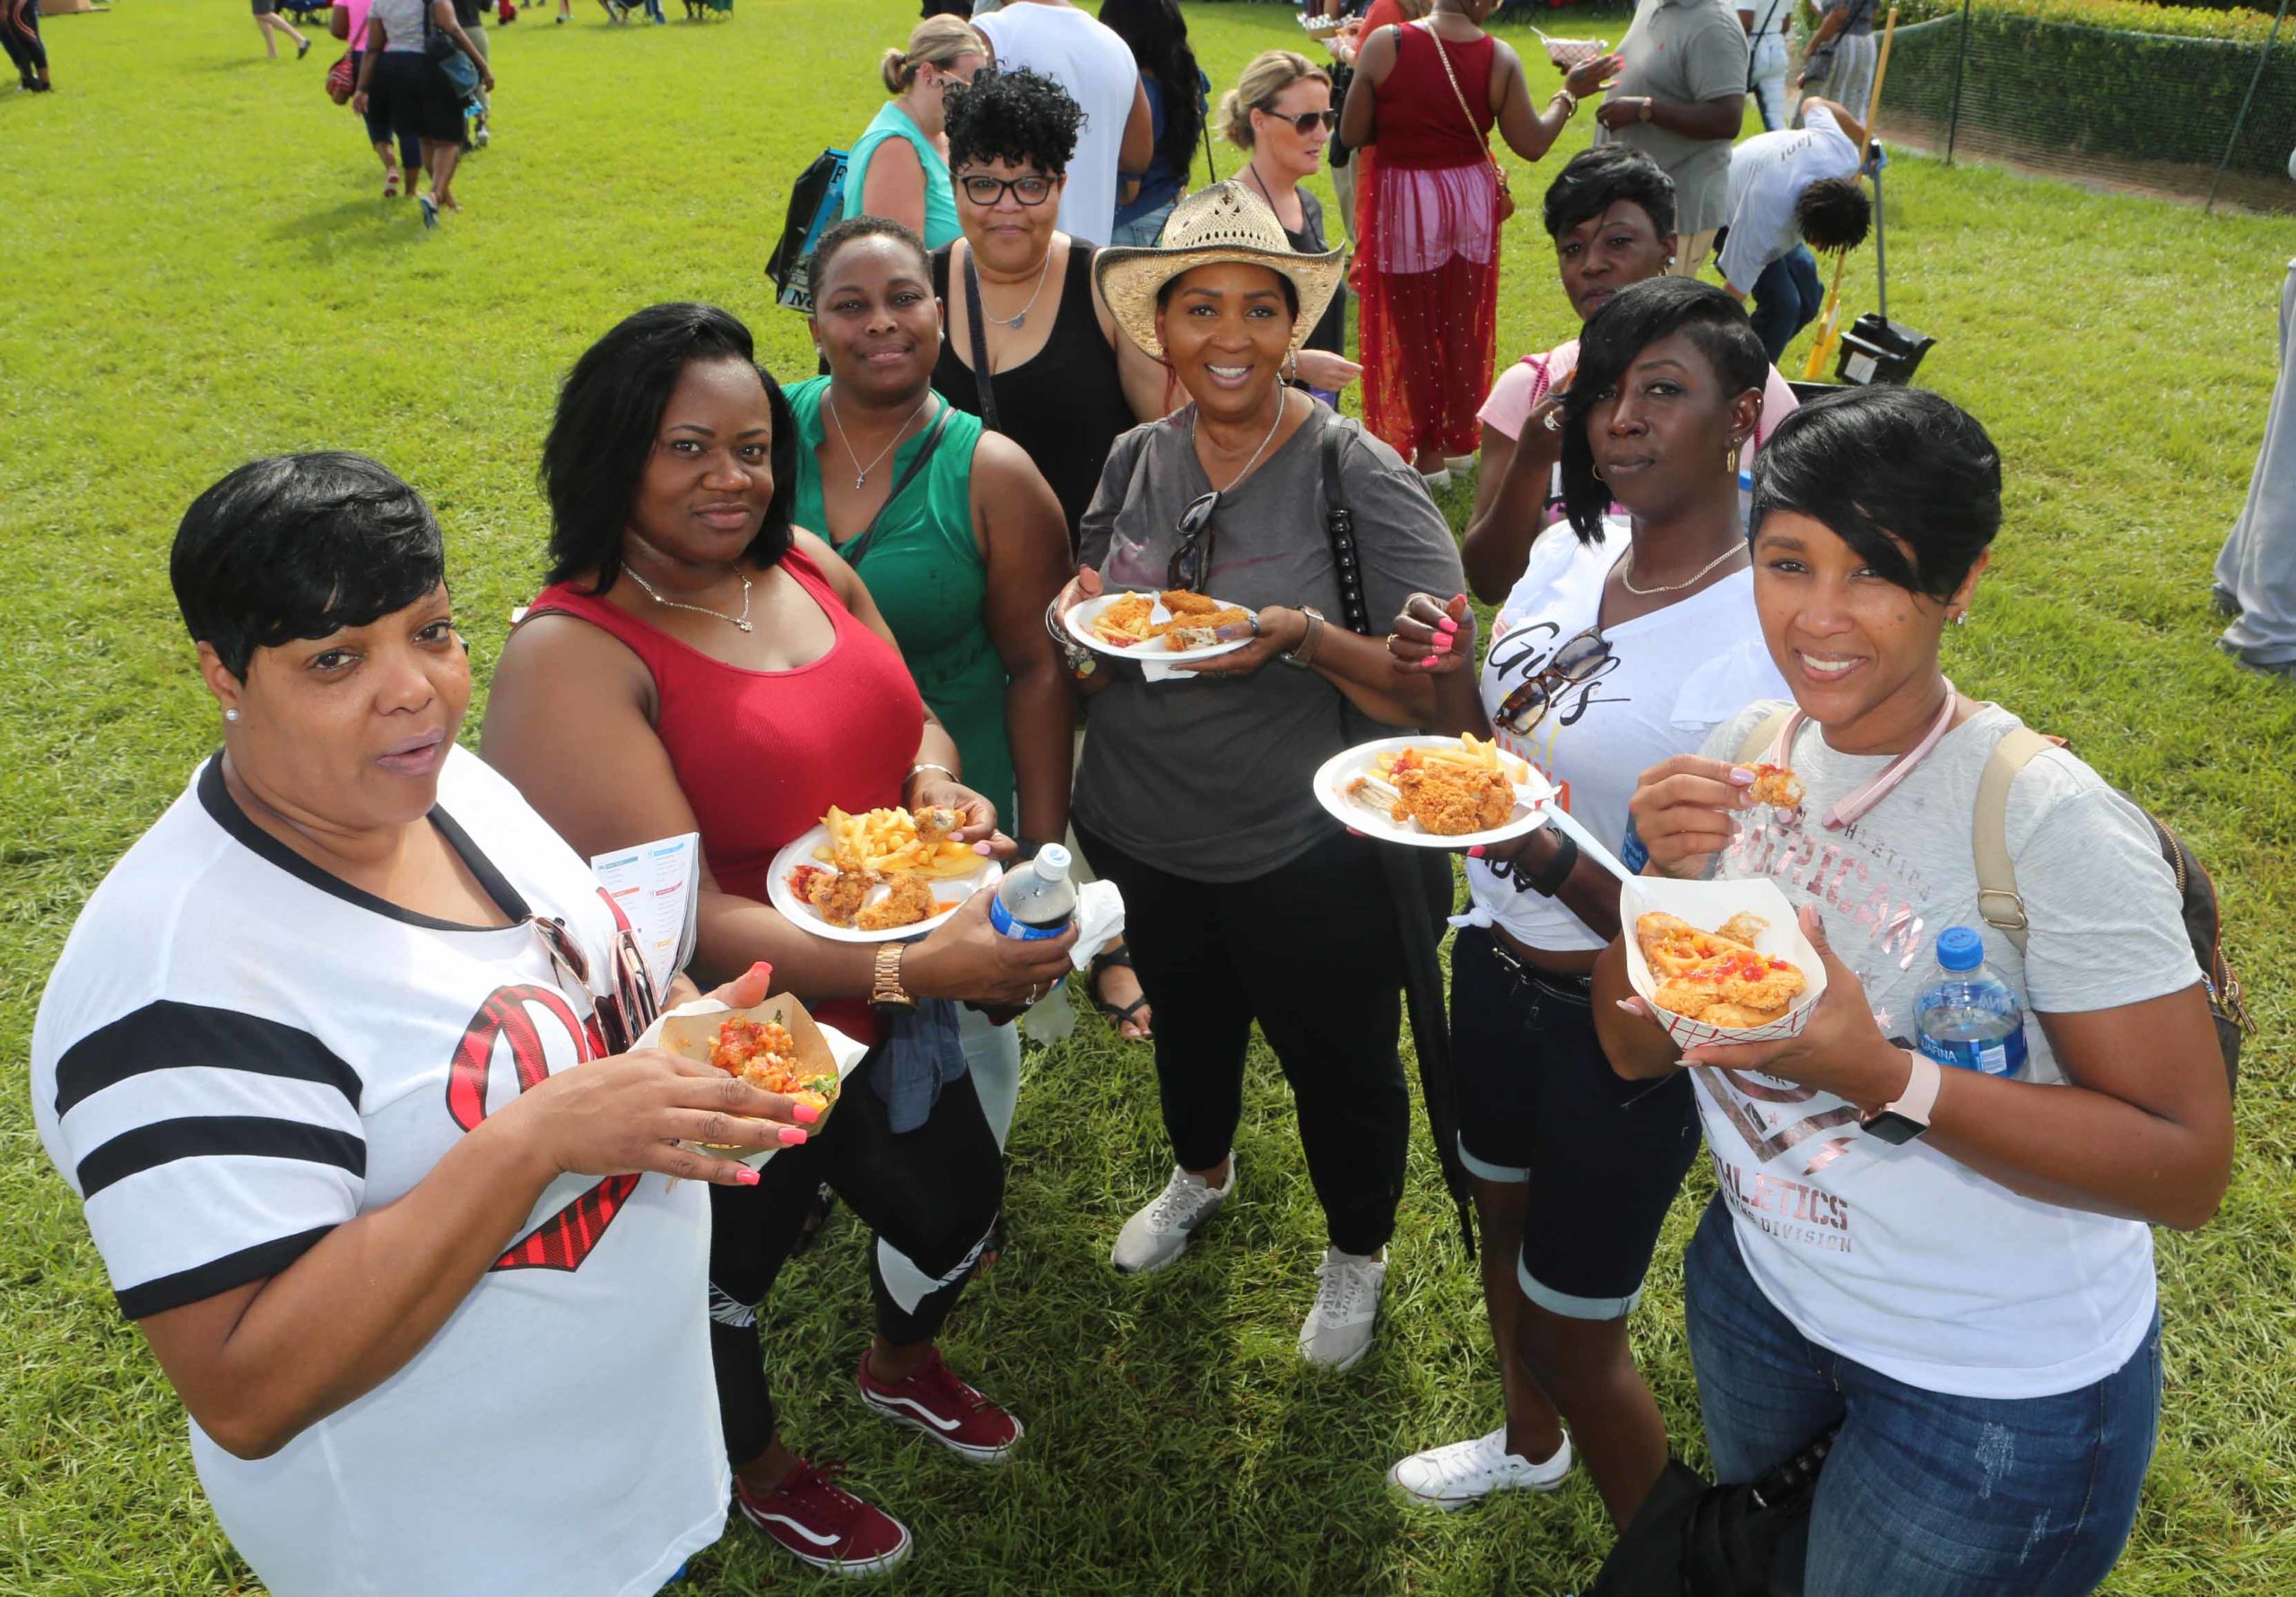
(1960, 949)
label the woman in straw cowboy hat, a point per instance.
(1244, 901)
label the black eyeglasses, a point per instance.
(986, 191)
(1305, 122)
(1192, 558)
(1578, 659)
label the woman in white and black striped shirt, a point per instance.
(326, 1060)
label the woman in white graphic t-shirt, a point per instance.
(336, 1060)
(1954, 1270)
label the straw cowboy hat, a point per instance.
(1224, 222)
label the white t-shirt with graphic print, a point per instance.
(1668, 678)
(237, 1053)
(1901, 1257)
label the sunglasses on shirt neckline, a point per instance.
(1192, 558)
(1572, 662)
(625, 1014)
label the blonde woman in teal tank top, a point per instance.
(900, 165)
(963, 561)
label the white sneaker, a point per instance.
(1157, 1235)
(1463, 1473)
(1338, 1331)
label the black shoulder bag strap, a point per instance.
(979, 344)
(1421, 901)
(852, 553)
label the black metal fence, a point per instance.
(2203, 119)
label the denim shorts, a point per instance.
(1539, 1104)
(1924, 1494)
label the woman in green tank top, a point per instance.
(959, 537)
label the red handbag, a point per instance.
(340, 84)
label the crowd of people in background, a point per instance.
(329, 1196)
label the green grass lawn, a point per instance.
(203, 271)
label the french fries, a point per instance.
(1127, 621)
(885, 842)
(1471, 752)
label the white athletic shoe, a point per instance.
(1338, 1331)
(1157, 1235)
(1463, 1473)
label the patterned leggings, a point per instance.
(20, 32)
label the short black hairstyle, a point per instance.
(1833, 213)
(1628, 323)
(854, 228)
(296, 546)
(1884, 466)
(609, 410)
(1594, 180)
(1020, 117)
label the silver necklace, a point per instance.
(1626, 570)
(741, 621)
(861, 473)
(1264, 443)
(1016, 323)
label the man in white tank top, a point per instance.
(1089, 60)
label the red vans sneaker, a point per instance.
(820, 1524)
(934, 1402)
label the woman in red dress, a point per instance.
(1426, 95)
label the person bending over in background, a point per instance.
(1791, 193)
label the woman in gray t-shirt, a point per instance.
(1244, 901)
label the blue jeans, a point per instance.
(1787, 298)
(1143, 232)
(1924, 1494)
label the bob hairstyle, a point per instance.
(1630, 322)
(1157, 35)
(1905, 477)
(297, 546)
(1269, 74)
(854, 228)
(1594, 180)
(939, 41)
(610, 408)
(1021, 116)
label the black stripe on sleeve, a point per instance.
(202, 1281)
(164, 1141)
(165, 1034)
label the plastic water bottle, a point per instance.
(1968, 1016)
(1746, 499)
(1036, 898)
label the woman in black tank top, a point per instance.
(1066, 384)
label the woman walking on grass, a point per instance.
(267, 22)
(396, 73)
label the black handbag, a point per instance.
(1692, 1540)
(1419, 880)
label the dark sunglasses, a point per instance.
(986, 191)
(622, 1017)
(1192, 558)
(1572, 664)
(1304, 122)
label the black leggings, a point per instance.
(930, 1195)
(1310, 951)
(20, 32)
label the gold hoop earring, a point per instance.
(1597, 470)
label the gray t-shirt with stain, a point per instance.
(1210, 779)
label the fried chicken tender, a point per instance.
(1778, 787)
(1182, 603)
(1450, 800)
(1201, 629)
(934, 823)
(1706, 976)
(837, 895)
(1746, 926)
(909, 902)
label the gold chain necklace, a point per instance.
(1626, 571)
(741, 621)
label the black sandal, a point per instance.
(1119, 958)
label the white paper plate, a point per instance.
(1706, 905)
(951, 890)
(1080, 627)
(1367, 815)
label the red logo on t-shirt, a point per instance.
(509, 1017)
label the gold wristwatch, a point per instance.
(885, 991)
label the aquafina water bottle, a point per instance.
(1036, 898)
(1967, 1016)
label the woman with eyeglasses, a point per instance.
(900, 165)
(1624, 642)
(1031, 348)
(1244, 901)
(1280, 114)
(337, 1060)
(699, 663)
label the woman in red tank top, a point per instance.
(1425, 97)
(738, 683)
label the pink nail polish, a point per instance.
(1447, 625)
(792, 1135)
(803, 1113)
(1475, 853)
(747, 1177)
(761, 970)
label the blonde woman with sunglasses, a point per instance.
(899, 165)
(1622, 644)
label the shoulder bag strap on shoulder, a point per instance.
(1339, 526)
(979, 345)
(1764, 733)
(1997, 898)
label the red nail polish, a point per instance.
(762, 971)
(803, 1113)
(792, 1135)
(747, 1177)
(1475, 853)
